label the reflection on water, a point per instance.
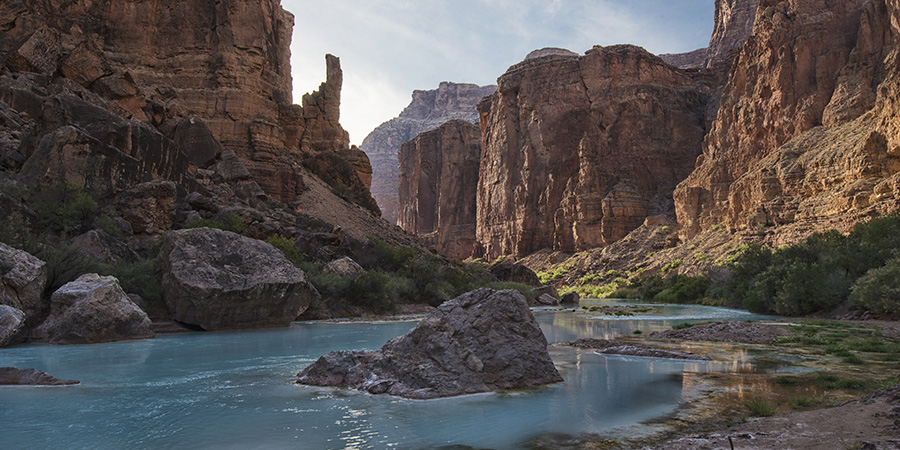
(236, 390)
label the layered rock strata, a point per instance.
(438, 183)
(805, 136)
(427, 111)
(733, 24)
(478, 342)
(578, 151)
(218, 280)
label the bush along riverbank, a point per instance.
(826, 272)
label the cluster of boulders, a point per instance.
(211, 280)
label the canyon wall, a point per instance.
(805, 137)
(226, 62)
(438, 182)
(427, 111)
(732, 25)
(578, 150)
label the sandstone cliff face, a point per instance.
(578, 151)
(226, 62)
(438, 182)
(733, 24)
(427, 111)
(805, 135)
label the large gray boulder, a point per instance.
(218, 280)
(22, 280)
(481, 341)
(90, 310)
(11, 321)
(345, 267)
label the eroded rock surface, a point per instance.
(438, 185)
(218, 280)
(481, 341)
(11, 322)
(93, 309)
(427, 111)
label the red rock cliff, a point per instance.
(806, 132)
(427, 111)
(227, 62)
(578, 151)
(438, 181)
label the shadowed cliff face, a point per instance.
(227, 62)
(578, 151)
(427, 111)
(806, 132)
(438, 181)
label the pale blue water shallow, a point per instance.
(236, 390)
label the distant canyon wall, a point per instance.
(427, 111)
(438, 182)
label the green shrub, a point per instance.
(108, 226)
(233, 223)
(288, 247)
(879, 289)
(64, 208)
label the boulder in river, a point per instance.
(93, 309)
(481, 341)
(218, 280)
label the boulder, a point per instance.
(11, 321)
(570, 298)
(32, 377)
(515, 273)
(93, 309)
(547, 300)
(548, 290)
(481, 341)
(345, 267)
(218, 280)
(22, 280)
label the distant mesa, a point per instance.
(548, 51)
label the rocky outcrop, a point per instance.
(427, 111)
(578, 151)
(23, 281)
(438, 183)
(11, 322)
(91, 310)
(690, 60)
(802, 140)
(30, 377)
(217, 280)
(478, 342)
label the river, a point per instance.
(236, 390)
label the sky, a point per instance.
(388, 48)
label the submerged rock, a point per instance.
(32, 377)
(93, 309)
(481, 341)
(218, 280)
(630, 349)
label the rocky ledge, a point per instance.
(481, 341)
(630, 349)
(30, 377)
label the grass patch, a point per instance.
(760, 408)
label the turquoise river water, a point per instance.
(236, 390)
